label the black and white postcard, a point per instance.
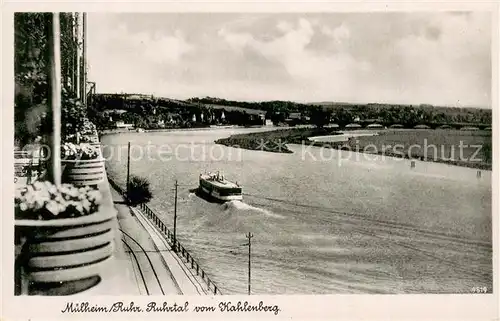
(236, 160)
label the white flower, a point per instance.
(86, 205)
(39, 204)
(61, 207)
(23, 207)
(38, 185)
(52, 190)
(52, 207)
(73, 192)
(59, 198)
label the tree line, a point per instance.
(149, 111)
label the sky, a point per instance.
(440, 58)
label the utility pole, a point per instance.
(128, 173)
(249, 237)
(175, 217)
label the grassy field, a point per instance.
(455, 147)
(463, 148)
(274, 140)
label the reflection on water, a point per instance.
(337, 224)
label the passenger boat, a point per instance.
(219, 189)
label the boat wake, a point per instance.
(241, 206)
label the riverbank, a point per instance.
(454, 147)
(161, 130)
(123, 130)
(275, 140)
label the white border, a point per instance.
(328, 307)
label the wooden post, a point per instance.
(128, 174)
(175, 217)
(249, 237)
(54, 65)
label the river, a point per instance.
(324, 221)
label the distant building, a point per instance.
(294, 118)
(121, 124)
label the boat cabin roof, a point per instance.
(218, 181)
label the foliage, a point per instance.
(89, 151)
(139, 190)
(73, 114)
(45, 201)
(31, 55)
(487, 152)
(85, 151)
(30, 47)
(320, 116)
(69, 151)
(68, 46)
(148, 112)
(274, 140)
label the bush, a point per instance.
(139, 190)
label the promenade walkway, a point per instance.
(137, 268)
(151, 274)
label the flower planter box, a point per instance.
(81, 172)
(92, 138)
(67, 250)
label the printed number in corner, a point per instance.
(479, 289)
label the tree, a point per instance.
(343, 116)
(320, 116)
(487, 151)
(30, 69)
(139, 190)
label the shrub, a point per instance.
(85, 151)
(45, 201)
(139, 190)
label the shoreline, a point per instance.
(274, 142)
(160, 130)
(478, 165)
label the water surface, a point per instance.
(324, 221)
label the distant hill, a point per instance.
(279, 111)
